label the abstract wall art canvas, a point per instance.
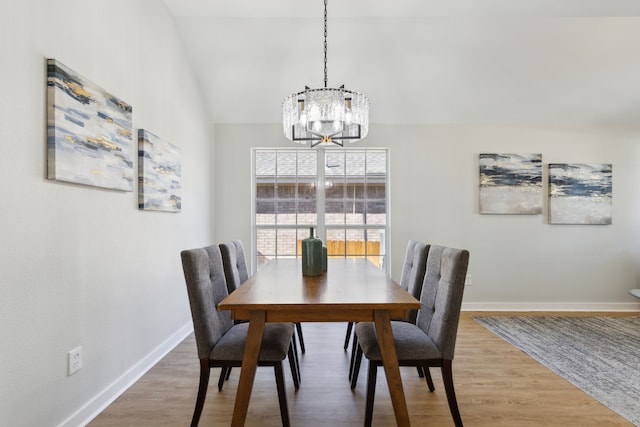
(511, 184)
(159, 174)
(580, 193)
(89, 132)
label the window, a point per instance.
(349, 210)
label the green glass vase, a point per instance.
(324, 258)
(312, 255)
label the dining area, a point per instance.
(413, 323)
(97, 327)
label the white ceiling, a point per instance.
(421, 61)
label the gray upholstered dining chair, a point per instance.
(236, 273)
(235, 269)
(219, 342)
(413, 270)
(431, 341)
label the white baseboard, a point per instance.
(549, 306)
(95, 406)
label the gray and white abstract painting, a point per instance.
(511, 183)
(580, 193)
(159, 174)
(89, 132)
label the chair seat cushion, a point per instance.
(411, 342)
(275, 343)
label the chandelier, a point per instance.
(325, 115)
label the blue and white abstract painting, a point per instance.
(89, 132)
(159, 174)
(511, 184)
(580, 193)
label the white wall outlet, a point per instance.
(74, 360)
(467, 281)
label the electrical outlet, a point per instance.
(74, 359)
(467, 281)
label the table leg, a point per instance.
(391, 367)
(249, 364)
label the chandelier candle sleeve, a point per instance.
(312, 258)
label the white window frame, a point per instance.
(321, 227)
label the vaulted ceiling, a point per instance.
(420, 61)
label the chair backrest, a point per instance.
(415, 265)
(241, 261)
(234, 263)
(408, 264)
(206, 287)
(441, 297)
(230, 265)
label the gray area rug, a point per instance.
(599, 355)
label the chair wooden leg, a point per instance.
(447, 378)
(300, 337)
(294, 344)
(427, 374)
(371, 391)
(282, 395)
(224, 374)
(356, 367)
(205, 371)
(352, 361)
(295, 369)
(348, 336)
(420, 372)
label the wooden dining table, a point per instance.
(351, 290)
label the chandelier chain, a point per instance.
(325, 43)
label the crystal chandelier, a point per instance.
(325, 115)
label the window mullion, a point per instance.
(321, 231)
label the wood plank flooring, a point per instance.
(496, 385)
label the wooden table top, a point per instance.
(348, 291)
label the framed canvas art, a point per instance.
(511, 184)
(580, 193)
(159, 174)
(89, 132)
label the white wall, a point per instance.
(517, 262)
(80, 265)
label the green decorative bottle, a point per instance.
(324, 258)
(311, 255)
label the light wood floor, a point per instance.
(496, 385)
